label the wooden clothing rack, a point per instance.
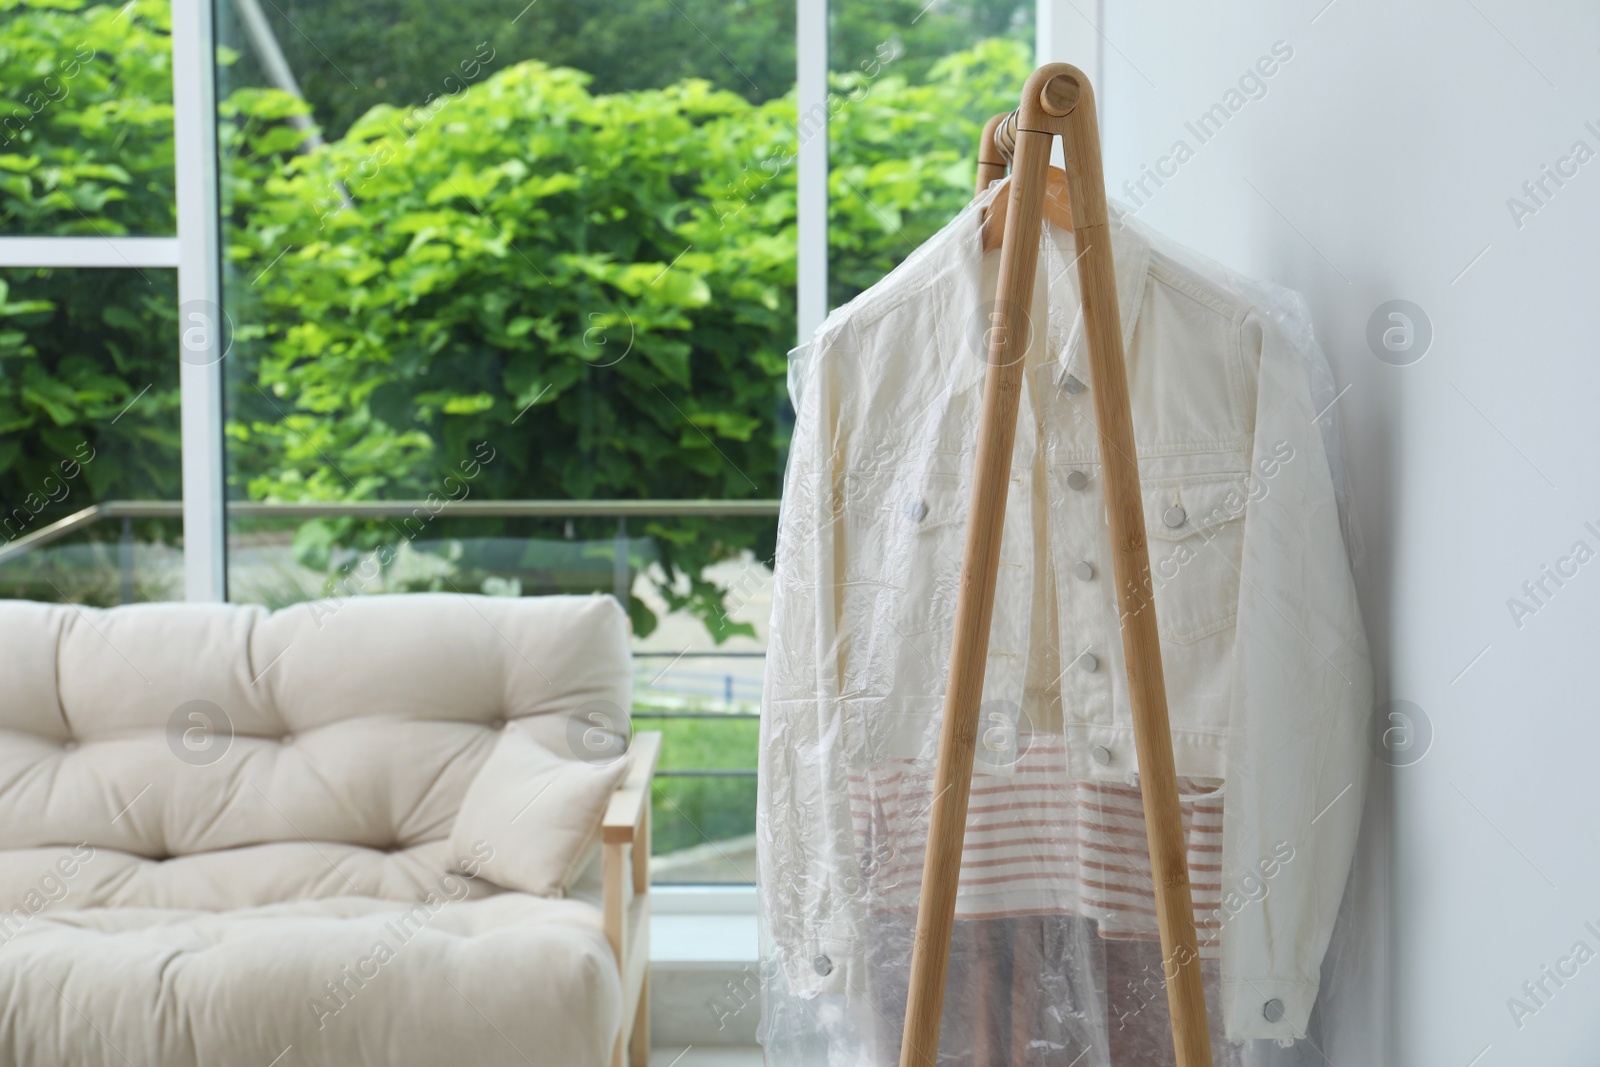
(1057, 101)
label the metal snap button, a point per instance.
(1101, 754)
(822, 965)
(1272, 1010)
(917, 510)
(1175, 516)
(1083, 569)
(1073, 385)
(1078, 480)
(1087, 663)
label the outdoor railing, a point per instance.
(383, 509)
(622, 510)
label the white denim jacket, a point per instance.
(1266, 662)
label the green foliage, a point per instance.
(87, 363)
(349, 57)
(594, 288)
(521, 268)
(85, 118)
(901, 156)
(88, 379)
(598, 286)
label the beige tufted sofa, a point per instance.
(225, 836)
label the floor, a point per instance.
(705, 1057)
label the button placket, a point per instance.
(1087, 616)
(1011, 634)
(1107, 676)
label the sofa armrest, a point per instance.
(624, 827)
(624, 818)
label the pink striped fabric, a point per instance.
(1037, 843)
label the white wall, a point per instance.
(1378, 165)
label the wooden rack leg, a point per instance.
(1147, 689)
(1057, 100)
(997, 428)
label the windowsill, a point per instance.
(703, 927)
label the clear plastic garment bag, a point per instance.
(1055, 960)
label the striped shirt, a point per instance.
(1037, 843)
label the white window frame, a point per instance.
(811, 175)
(88, 252)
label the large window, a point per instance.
(502, 294)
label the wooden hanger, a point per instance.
(1057, 207)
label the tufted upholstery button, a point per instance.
(69, 745)
(287, 739)
(1077, 480)
(497, 723)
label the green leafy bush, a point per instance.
(87, 357)
(600, 287)
(85, 118)
(349, 56)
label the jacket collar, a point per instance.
(957, 252)
(1130, 253)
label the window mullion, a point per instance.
(811, 130)
(201, 323)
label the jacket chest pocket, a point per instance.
(1195, 529)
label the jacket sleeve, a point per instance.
(804, 839)
(1297, 752)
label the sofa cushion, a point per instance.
(528, 818)
(338, 736)
(509, 981)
